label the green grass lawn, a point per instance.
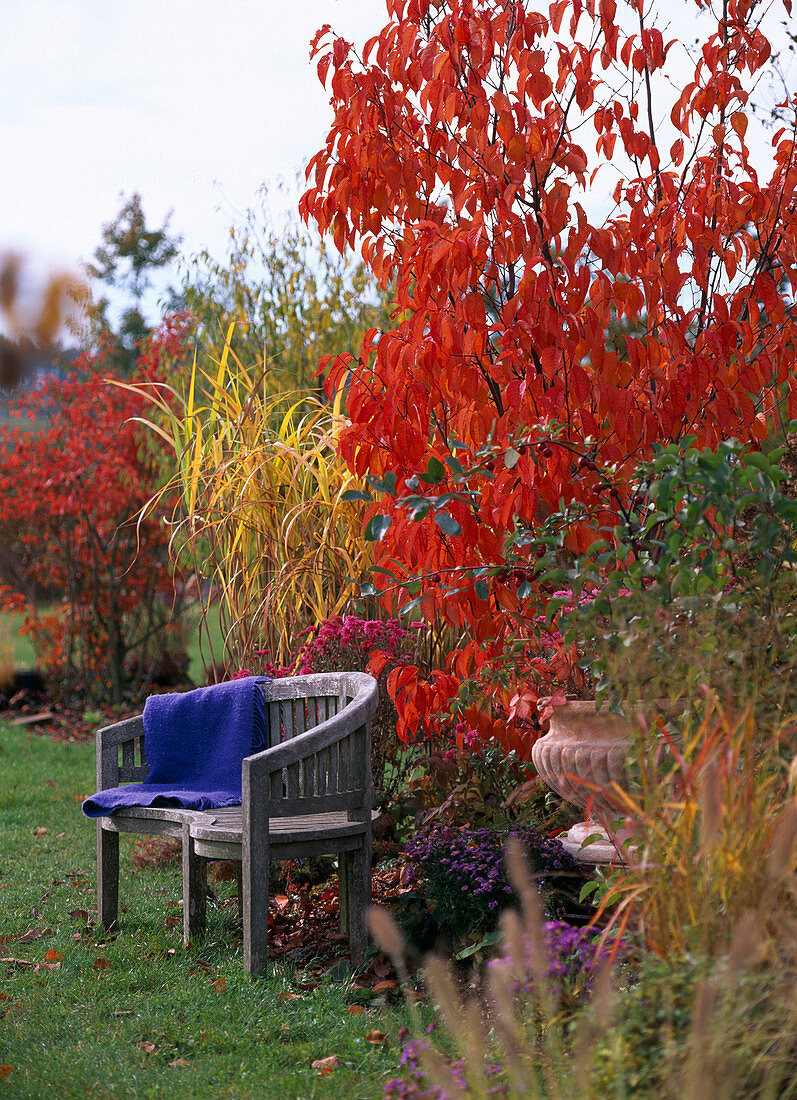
(19, 644)
(203, 650)
(138, 1015)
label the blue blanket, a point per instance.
(195, 742)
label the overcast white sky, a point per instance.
(193, 103)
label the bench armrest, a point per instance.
(326, 768)
(127, 736)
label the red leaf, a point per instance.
(739, 123)
(325, 1065)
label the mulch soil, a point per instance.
(34, 710)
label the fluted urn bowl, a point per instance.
(581, 756)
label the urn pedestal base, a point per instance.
(600, 850)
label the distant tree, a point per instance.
(297, 297)
(70, 514)
(126, 259)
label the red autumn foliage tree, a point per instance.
(68, 511)
(466, 140)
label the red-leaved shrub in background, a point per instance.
(69, 510)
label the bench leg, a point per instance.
(254, 903)
(195, 889)
(359, 895)
(107, 876)
(343, 890)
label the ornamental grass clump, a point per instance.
(557, 1018)
(263, 513)
(572, 958)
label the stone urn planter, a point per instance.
(585, 749)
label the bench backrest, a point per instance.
(331, 770)
(294, 704)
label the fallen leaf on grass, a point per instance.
(375, 1037)
(219, 985)
(52, 960)
(288, 996)
(380, 966)
(102, 964)
(325, 1065)
(281, 901)
(26, 937)
(148, 1048)
(382, 987)
(80, 914)
(40, 830)
(6, 1071)
(20, 964)
(178, 1062)
(356, 1010)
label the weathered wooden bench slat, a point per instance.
(128, 758)
(302, 826)
(309, 792)
(274, 724)
(299, 719)
(310, 779)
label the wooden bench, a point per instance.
(309, 793)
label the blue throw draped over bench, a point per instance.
(195, 743)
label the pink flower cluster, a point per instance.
(465, 738)
(347, 640)
(265, 667)
(553, 637)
